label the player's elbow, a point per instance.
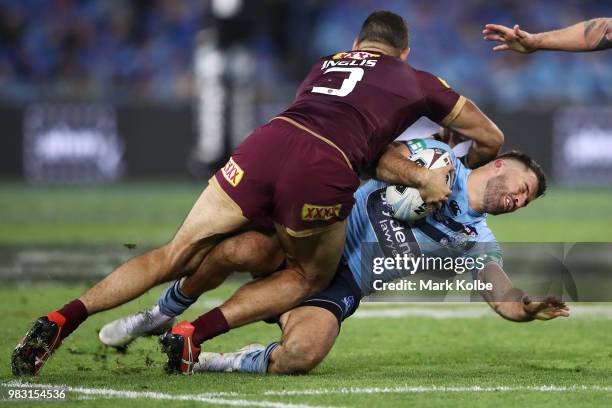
(478, 127)
(495, 138)
(498, 138)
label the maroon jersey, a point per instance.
(362, 101)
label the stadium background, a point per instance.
(114, 114)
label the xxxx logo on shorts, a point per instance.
(312, 212)
(232, 172)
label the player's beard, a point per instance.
(494, 195)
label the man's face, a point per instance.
(510, 187)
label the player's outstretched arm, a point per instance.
(487, 138)
(515, 305)
(393, 168)
(591, 35)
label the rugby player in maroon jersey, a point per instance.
(296, 174)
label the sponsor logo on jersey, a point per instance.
(232, 172)
(311, 212)
(357, 55)
(394, 238)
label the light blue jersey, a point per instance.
(456, 230)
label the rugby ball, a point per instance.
(406, 202)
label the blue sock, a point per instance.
(257, 361)
(173, 302)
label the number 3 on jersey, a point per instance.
(347, 86)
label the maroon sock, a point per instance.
(209, 325)
(75, 314)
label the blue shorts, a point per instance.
(341, 297)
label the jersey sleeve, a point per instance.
(443, 103)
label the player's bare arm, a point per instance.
(487, 138)
(393, 168)
(591, 35)
(515, 305)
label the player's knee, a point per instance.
(177, 260)
(252, 251)
(174, 252)
(312, 281)
(296, 283)
(229, 252)
(162, 256)
(301, 356)
(318, 283)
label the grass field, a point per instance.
(425, 355)
(423, 361)
(149, 213)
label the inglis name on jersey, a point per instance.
(357, 59)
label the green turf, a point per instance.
(372, 353)
(142, 213)
(150, 213)
(486, 352)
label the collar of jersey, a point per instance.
(472, 212)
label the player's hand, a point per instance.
(547, 309)
(434, 190)
(513, 39)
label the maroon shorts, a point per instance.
(286, 174)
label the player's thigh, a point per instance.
(212, 218)
(257, 252)
(238, 193)
(309, 333)
(316, 257)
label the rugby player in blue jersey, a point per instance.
(503, 185)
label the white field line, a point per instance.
(440, 389)
(372, 310)
(210, 398)
(459, 312)
(421, 312)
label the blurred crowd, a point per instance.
(142, 50)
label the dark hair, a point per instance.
(531, 164)
(385, 27)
